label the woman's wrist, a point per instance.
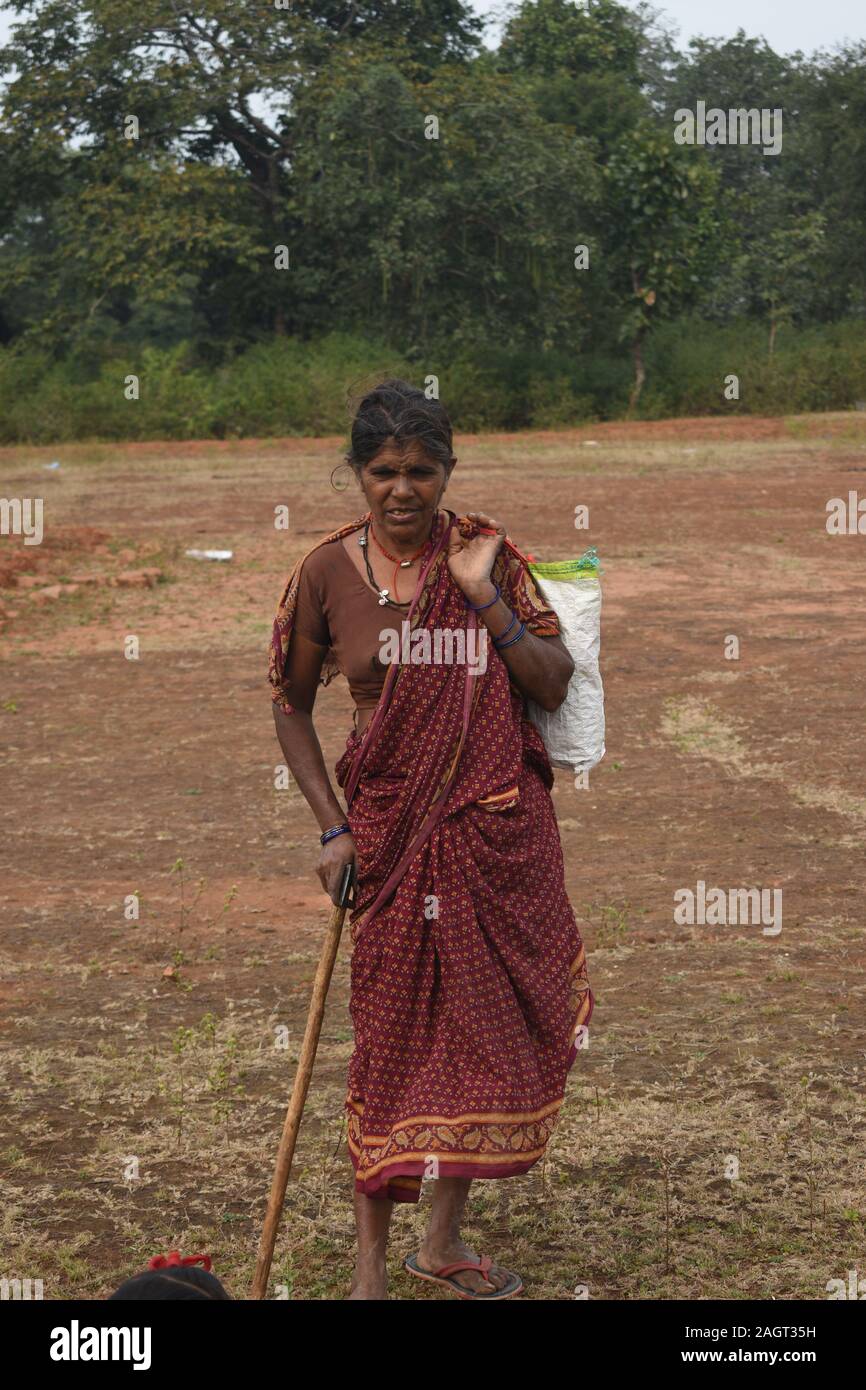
(491, 609)
(335, 832)
(497, 618)
(480, 593)
(331, 816)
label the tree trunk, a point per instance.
(278, 234)
(263, 167)
(639, 371)
(773, 329)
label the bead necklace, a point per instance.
(384, 594)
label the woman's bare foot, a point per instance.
(373, 1217)
(370, 1280)
(367, 1290)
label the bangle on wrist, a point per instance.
(502, 635)
(479, 607)
(510, 643)
(334, 831)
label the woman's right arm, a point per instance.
(303, 754)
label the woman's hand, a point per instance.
(335, 855)
(471, 561)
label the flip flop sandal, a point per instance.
(445, 1275)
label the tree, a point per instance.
(733, 74)
(545, 37)
(787, 268)
(467, 235)
(662, 228)
(827, 173)
(211, 84)
(758, 190)
(579, 63)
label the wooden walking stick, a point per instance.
(286, 1150)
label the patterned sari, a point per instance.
(469, 989)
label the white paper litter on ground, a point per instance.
(574, 733)
(210, 554)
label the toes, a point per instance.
(477, 1283)
(474, 1282)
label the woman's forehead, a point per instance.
(402, 454)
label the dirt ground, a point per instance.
(146, 1063)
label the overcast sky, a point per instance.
(785, 24)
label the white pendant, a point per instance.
(404, 564)
(383, 596)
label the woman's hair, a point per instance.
(395, 410)
(179, 1282)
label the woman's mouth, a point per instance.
(400, 513)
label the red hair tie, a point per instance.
(174, 1258)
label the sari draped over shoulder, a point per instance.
(469, 987)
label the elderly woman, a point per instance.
(468, 979)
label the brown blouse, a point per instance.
(337, 608)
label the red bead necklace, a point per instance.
(395, 559)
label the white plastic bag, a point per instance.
(574, 733)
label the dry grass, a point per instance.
(711, 1052)
(696, 728)
(634, 1200)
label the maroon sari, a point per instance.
(469, 990)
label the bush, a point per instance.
(286, 386)
(815, 368)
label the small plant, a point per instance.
(229, 899)
(178, 956)
(611, 922)
(811, 1180)
(222, 1079)
(179, 1044)
(668, 1163)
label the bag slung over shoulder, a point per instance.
(574, 733)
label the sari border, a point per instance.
(407, 1185)
(507, 1161)
(471, 1117)
(480, 1163)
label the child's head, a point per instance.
(170, 1276)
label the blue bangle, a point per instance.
(479, 607)
(521, 633)
(497, 641)
(334, 831)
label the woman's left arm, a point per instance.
(540, 667)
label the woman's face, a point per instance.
(403, 488)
